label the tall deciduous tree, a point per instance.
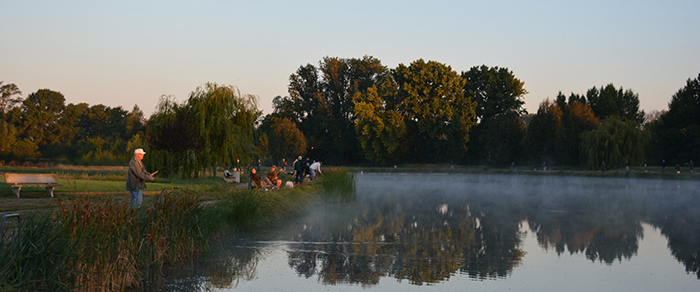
(286, 140)
(103, 121)
(173, 128)
(380, 128)
(676, 133)
(542, 132)
(321, 104)
(10, 95)
(438, 116)
(496, 91)
(577, 118)
(609, 101)
(41, 112)
(8, 137)
(506, 134)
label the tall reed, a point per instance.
(101, 244)
(338, 185)
(37, 257)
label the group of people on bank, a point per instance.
(303, 170)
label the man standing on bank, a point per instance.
(298, 171)
(135, 180)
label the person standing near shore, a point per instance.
(135, 180)
(298, 171)
(315, 168)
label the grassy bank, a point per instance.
(652, 172)
(93, 243)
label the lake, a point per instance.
(457, 232)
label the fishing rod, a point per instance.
(171, 163)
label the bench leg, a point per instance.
(50, 190)
(15, 191)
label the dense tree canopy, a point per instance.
(286, 140)
(224, 119)
(356, 110)
(321, 105)
(676, 133)
(41, 112)
(609, 101)
(10, 95)
(577, 118)
(495, 90)
(614, 142)
(506, 135)
(438, 116)
(380, 127)
(542, 132)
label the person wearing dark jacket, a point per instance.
(298, 171)
(135, 180)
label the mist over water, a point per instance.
(485, 232)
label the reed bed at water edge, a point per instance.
(100, 245)
(338, 185)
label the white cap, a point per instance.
(139, 151)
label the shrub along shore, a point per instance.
(92, 243)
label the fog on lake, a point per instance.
(453, 232)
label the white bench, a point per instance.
(18, 180)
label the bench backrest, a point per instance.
(29, 178)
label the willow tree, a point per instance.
(614, 142)
(224, 121)
(173, 128)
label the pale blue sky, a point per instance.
(121, 53)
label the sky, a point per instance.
(126, 53)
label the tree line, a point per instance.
(354, 111)
(350, 111)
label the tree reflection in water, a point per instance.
(422, 232)
(425, 229)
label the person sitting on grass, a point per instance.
(272, 177)
(255, 180)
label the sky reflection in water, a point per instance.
(477, 232)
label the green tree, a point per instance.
(41, 113)
(542, 132)
(321, 104)
(609, 101)
(506, 134)
(676, 133)
(285, 139)
(135, 122)
(577, 118)
(438, 116)
(224, 120)
(10, 95)
(380, 127)
(496, 91)
(8, 138)
(173, 128)
(615, 141)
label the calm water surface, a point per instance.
(455, 232)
